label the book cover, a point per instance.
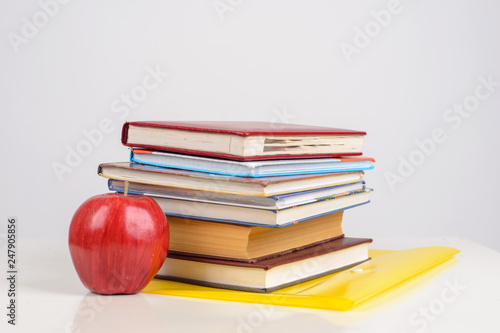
(242, 128)
(266, 264)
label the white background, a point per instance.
(258, 60)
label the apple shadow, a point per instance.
(118, 313)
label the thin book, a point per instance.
(250, 168)
(262, 186)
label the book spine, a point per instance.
(124, 137)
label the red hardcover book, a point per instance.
(243, 140)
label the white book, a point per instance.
(271, 202)
(257, 216)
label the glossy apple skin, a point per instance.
(118, 243)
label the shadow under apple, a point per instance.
(118, 313)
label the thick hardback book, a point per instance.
(250, 168)
(243, 140)
(249, 243)
(261, 217)
(271, 274)
(263, 186)
(273, 202)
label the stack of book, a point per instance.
(250, 207)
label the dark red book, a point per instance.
(268, 274)
(243, 140)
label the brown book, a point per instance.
(258, 186)
(249, 243)
(271, 274)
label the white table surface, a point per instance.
(51, 298)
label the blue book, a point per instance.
(273, 211)
(272, 202)
(250, 168)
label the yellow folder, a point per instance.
(339, 291)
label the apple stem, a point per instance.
(125, 192)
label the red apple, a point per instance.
(118, 243)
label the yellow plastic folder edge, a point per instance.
(340, 291)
